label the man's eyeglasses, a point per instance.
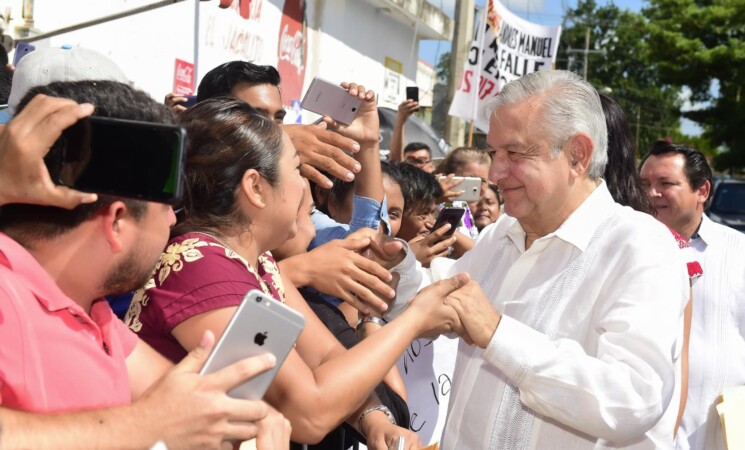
(418, 161)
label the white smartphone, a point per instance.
(260, 325)
(471, 187)
(329, 99)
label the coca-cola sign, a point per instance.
(183, 78)
(292, 50)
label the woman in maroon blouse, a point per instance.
(243, 194)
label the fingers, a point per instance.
(41, 123)
(329, 159)
(336, 140)
(378, 274)
(240, 431)
(351, 298)
(448, 285)
(173, 99)
(370, 290)
(479, 319)
(237, 373)
(274, 432)
(315, 176)
(439, 236)
(442, 246)
(355, 241)
(360, 92)
(386, 250)
(63, 197)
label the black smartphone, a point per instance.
(122, 158)
(412, 93)
(451, 216)
(191, 100)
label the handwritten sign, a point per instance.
(427, 369)
(506, 47)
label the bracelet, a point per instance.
(374, 319)
(382, 408)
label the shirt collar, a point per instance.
(705, 233)
(25, 266)
(580, 226)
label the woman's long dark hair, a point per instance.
(620, 174)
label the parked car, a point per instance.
(728, 204)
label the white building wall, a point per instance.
(347, 40)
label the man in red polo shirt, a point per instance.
(63, 351)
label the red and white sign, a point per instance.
(292, 50)
(506, 47)
(183, 78)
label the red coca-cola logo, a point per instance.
(292, 50)
(183, 77)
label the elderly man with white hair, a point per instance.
(572, 316)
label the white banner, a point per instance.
(506, 47)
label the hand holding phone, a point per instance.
(470, 186)
(452, 216)
(329, 99)
(123, 158)
(412, 93)
(259, 325)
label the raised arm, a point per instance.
(405, 110)
(320, 383)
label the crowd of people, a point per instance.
(591, 302)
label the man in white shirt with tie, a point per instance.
(575, 306)
(678, 181)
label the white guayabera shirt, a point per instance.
(717, 345)
(586, 354)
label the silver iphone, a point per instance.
(260, 325)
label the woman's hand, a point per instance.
(382, 434)
(434, 245)
(366, 126)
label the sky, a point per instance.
(544, 12)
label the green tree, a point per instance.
(620, 60)
(701, 44)
(443, 68)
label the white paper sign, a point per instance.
(427, 369)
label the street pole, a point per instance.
(587, 50)
(455, 128)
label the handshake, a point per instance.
(455, 305)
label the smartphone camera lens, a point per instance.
(258, 299)
(354, 109)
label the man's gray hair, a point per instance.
(571, 105)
